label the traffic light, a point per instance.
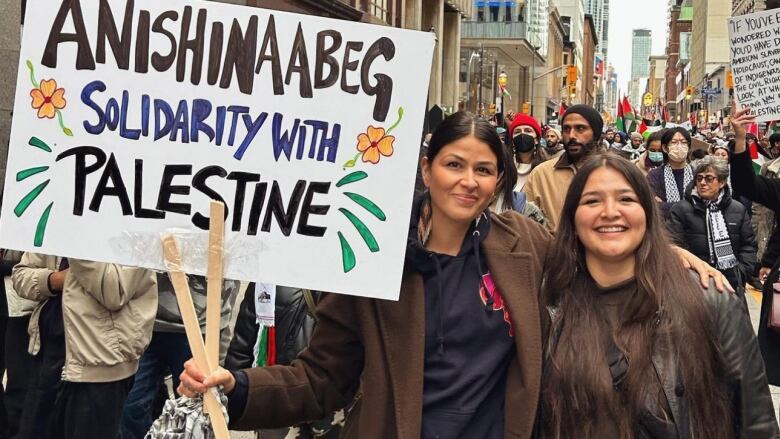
(689, 92)
(526, 108)
(571, 74)
(729, 79)
(572, 90)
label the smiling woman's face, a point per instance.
(610, 222)
(461, 179)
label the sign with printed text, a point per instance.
(131, 116)
(755, 62)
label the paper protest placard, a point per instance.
(131, 116)
(755, 62)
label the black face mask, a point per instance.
(523, 143)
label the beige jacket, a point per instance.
(108, 312)
(547, 186)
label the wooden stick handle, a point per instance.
(192, 329)
(214, 284)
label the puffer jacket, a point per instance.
(744, 378)
(688, 224)
(107, 311)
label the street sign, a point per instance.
(707, 91)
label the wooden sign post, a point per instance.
(206, 356)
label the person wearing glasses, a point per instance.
(712, 225)
(670, 180)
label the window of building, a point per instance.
(494, 13)
(378, 8)
(508, 15)
(480, 13)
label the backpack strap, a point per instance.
(310, 303)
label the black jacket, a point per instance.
(764, 191)
(744, 378)
(688, 224)
(294, 325)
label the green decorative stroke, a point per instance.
(351, 178)
(361, 227)
(367, 204)
(352, 162)
(29, 198)
(400, 117)
(65, 129)
(38, 143)
(21, 175)
(40, 230)
(32, 74)
(348, 260)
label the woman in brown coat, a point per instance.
(458, 355)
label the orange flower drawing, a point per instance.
(47, 98)
(374, 144)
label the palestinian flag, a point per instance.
(629, 117)
(562, 112)
(642, 127)
(758, 159)
(619, 123)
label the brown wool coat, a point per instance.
(378, 345)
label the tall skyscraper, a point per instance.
(641, 46)
(599, 10)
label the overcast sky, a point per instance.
(626, 15)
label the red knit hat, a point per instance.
(524, 119)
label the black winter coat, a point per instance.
(688, 225)
(764, 191)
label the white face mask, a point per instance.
(678, 153)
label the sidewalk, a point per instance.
(754, 306)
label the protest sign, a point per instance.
(131, 116)
(755, 62)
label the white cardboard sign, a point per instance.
(131, 116)
(755, 62)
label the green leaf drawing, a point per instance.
(21, 175)
(365, 233)
(351, 178)
(65, 129)
(38, 143)
(352, 162)
(32, 74)
(367, 204)
(40, 230)
(347, 254)
(400, 116)
(29, 198)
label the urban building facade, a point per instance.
(742, 7)
(599, 10)
(709, 38)
(641, 46)
(589, 49)
(678, 55)
(573, 17)
(509, 37)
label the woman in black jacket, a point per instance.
(764, 191)
(713, 226)
(636, 348)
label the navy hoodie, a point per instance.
(468, 340)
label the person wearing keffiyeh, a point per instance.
(670, 180)
(713, 226)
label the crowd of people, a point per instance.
(558, 283)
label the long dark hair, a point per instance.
(577, 388)
(463, 124)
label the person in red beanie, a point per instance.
(524, 134)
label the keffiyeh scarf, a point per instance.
(673, 194)
(718, 239)
(184, 418)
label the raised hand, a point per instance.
(739, 119)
